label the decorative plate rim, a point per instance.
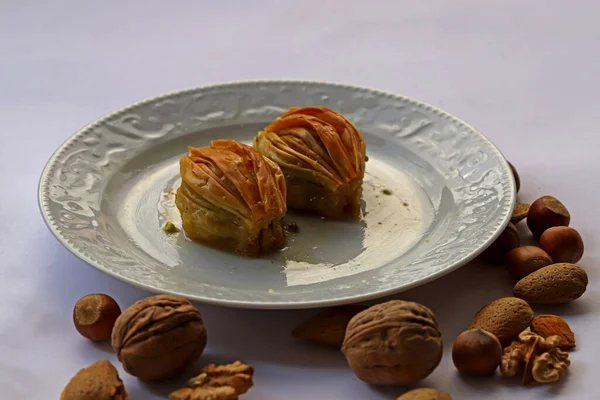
(43, 198)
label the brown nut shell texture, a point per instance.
(425, 394)
(516, 176)
(554, 284)
(99, 381)
(477, 352)
(393, 343)
(217, 382)
(505, 318)
(519, 213)
(158, 336)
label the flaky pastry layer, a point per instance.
(232, 197)
(322, 155)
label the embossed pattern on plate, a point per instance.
(93, 198)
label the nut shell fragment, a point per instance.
(99, 381)
(393, 343)
(425, 394)
(519, 213)
(516, 176)
(547, 325)
(158, 336)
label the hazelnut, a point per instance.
(508, 240)
(477, 352)
(516, 175)
(94, 316)
(564, 244)
(545, 213)
(522, 261)
(393, 343)
(157, 337)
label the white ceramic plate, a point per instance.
(107, 191)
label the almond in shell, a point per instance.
(329, 326)
(98, 381)
(505, 318)
(555, 284)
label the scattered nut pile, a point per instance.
(392, 343)
(155, 338)
(399, 343)
(533, 347)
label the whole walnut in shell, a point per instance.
(393, 343)
(159, 336)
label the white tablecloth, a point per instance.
(523, 72)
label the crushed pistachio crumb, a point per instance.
(387, 192)
(405, 204)
(366, 158)
(292, 227)
(271, 291)
(170, 227)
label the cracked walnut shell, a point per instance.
(159, 336)
(393, 343)
(217, 382)
(99, 381)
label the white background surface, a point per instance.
(524, 73)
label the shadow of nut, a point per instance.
(393, 343)
(159, 336)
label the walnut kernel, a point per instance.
(537, 358)
(217, 382)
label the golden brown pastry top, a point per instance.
(316, 143)
(235, 177)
